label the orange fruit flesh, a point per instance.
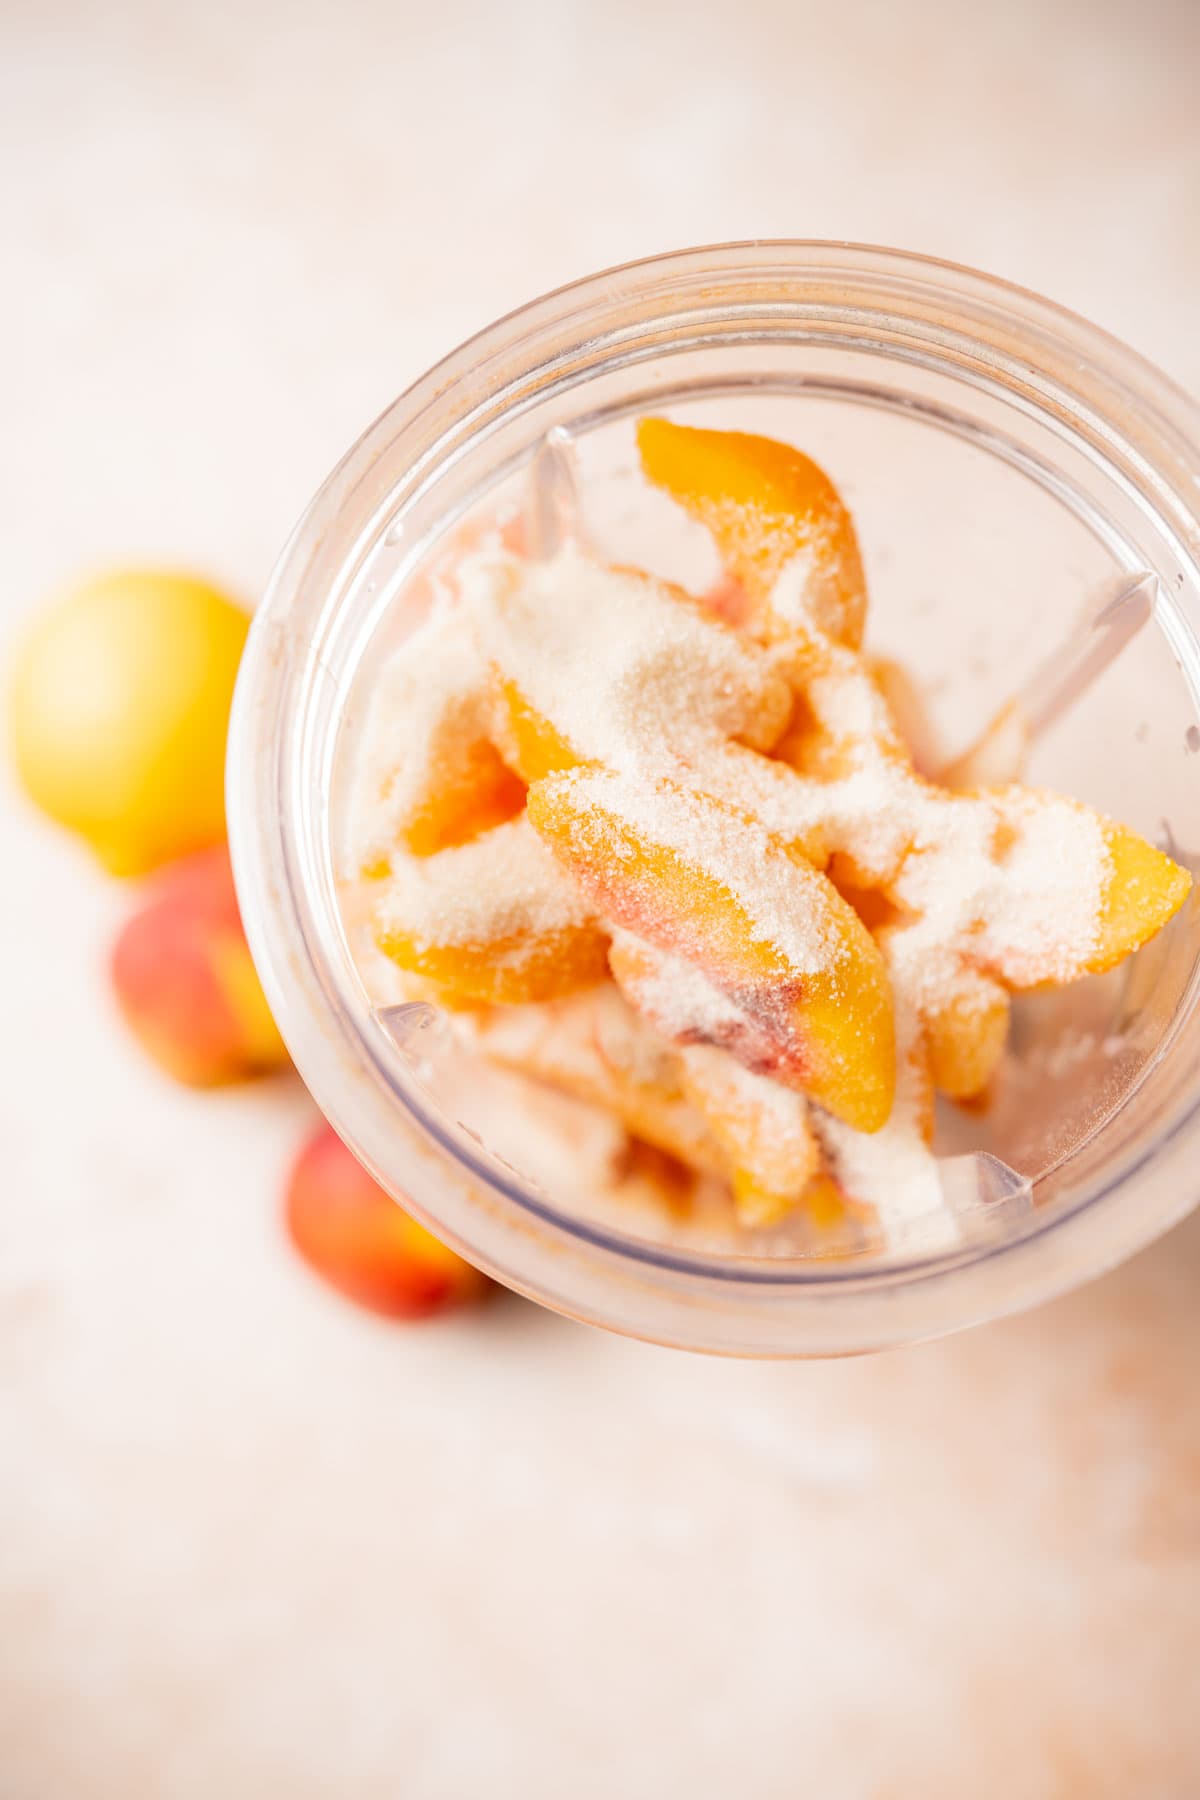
(830, 1025)
(765, 504)
(764, 1132)
(966, 1037)
(1143, 890)
(506, 971)
(472, 790)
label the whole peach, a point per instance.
(120, 709)
(185, 982)
(363, 1244)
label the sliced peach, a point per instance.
(1046, 845)
(966, 1032)
(768, 506)
(434, 779)
(763, 1129)
(473, 790)
(507, 970)
(706, 883)
(1142, 890)
(531, 742)
(595, 1047)
(359, 1240)
(493, 920)
(599, 664)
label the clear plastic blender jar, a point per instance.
(1005, 463)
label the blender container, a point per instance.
(1006, 465)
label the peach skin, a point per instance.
(355, 1237)
(120, 704)
(185, 983)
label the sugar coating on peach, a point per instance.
(763, 1128)
(358, 1239)
(185, 982)
(120, 707)
(492, 920)
(767, 505)
(594, 1046)
(691, 877)
(1142, 889)
(611, 666)
(434, 778)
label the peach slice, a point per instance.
(494, 920)
(532, 744)
(610, 665)
(769, 507)
(706, 883)
(595, 1047)
(434, 779)
(472, 790)
(1143, 889)
(184, 981)
(762, 1127)
(510, 969)
(359, 1240)
(1045, 924)
(966, 1033)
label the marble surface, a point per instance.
(252, 1544)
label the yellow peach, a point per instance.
(120, 706)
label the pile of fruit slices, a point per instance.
(588, 791)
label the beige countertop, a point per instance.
(251, 1543)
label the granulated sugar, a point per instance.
(676, 995)
(1012, 881)
(503, 885)
(624, 667)
(784, 908)
(430, 706)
